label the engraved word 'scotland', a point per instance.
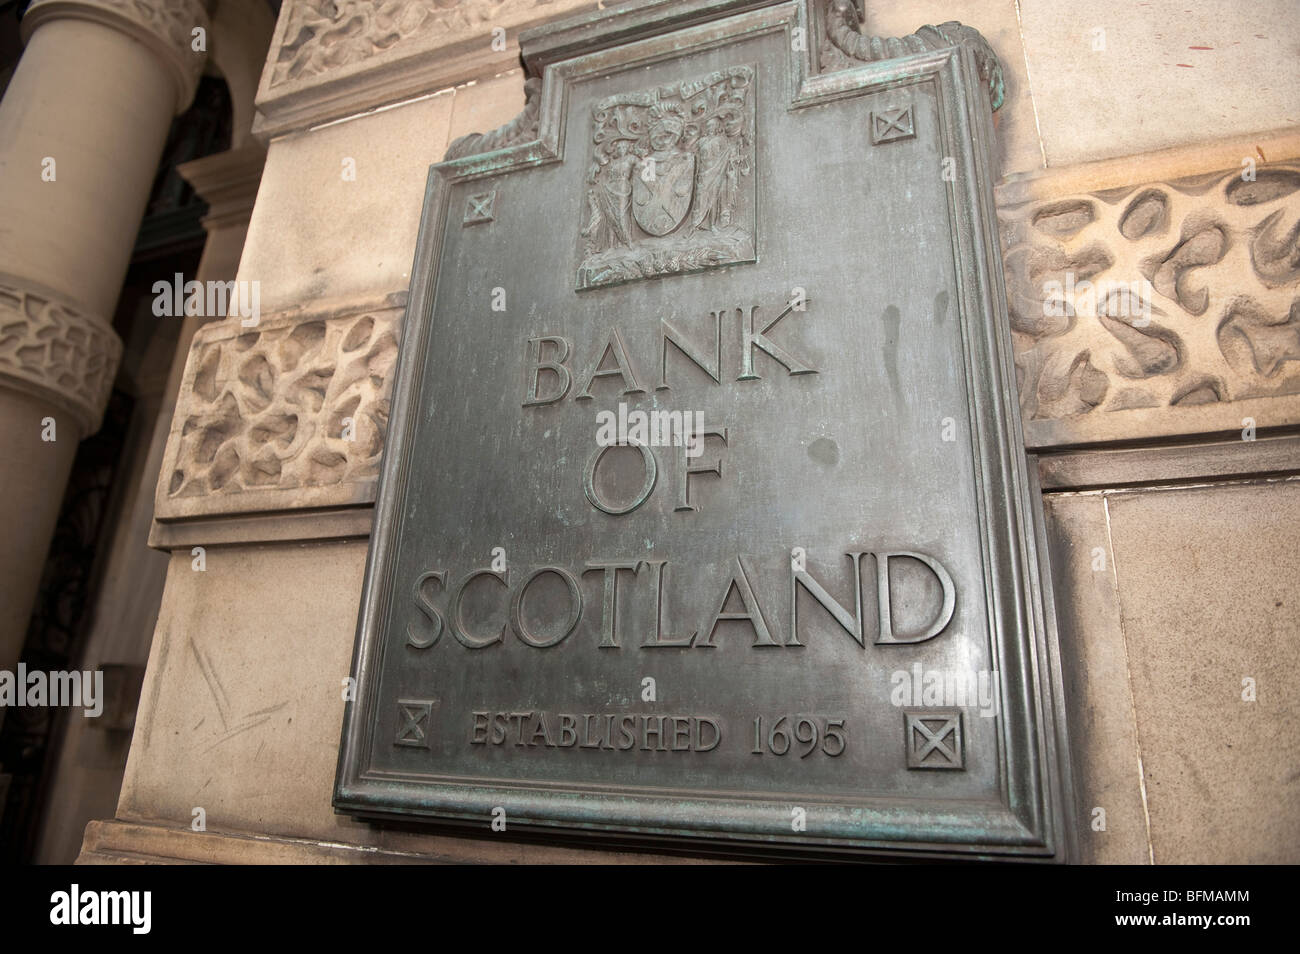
(670, 188)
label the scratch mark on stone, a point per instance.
(275, 708)
(214, 684)
(237, 730)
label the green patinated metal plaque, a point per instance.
(704, 514)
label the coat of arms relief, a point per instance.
(670, 188)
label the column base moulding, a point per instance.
(332, 523)
(1224, 419)
(1176, 162)
(228, 182)
(1267, 457)
(115, 842)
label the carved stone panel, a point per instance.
(333, 58)
(1155, 299)
(324, 36)
(289, 413)
(743, 555)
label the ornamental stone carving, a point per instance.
(291, 413)
(335, 58)
(51, 349)
(324, 35)
(1158, 295)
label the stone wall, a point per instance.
(1167, 448)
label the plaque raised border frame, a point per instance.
(1032, 818)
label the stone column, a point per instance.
(90, 756)
(82, 126)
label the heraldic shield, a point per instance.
(662, 197)
(670, 185)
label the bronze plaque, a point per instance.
(704, 513)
